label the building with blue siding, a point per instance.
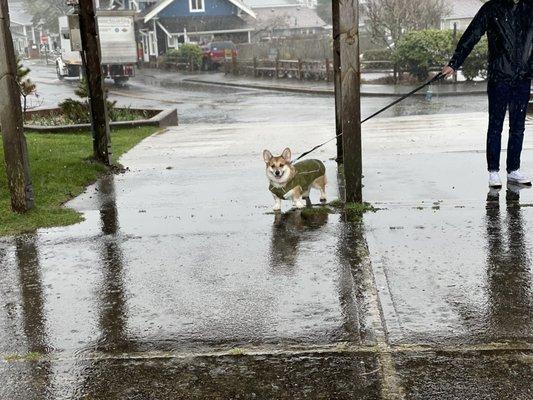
(164, 24)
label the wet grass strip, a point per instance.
(61, 168)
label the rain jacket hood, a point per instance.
(509, 28)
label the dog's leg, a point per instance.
(296, 195)
(305, 196)
(277, 204)
(320, 184)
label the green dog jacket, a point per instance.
(306, 173)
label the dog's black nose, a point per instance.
(278, 173)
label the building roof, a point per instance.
(269, 3)
(462, 9)
(204, 24)
(288, 17)
(154, 10)
(17, 14)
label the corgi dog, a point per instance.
(290, 181)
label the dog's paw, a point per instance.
(299, 204)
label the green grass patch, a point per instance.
(310, 212)
(237, 352)
(61, 168)
(336, 203)
(31, 356)
(354, 211)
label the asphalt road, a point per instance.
(197, 103)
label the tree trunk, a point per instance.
(15, 147)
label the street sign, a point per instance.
(75, 32)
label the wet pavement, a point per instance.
(181, 284)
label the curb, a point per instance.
(163, 119)
(325, 92)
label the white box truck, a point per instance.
(117, 42)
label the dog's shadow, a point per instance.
(289, 230)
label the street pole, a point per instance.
(337, 78)
(351, 99)
(91, 56)
(15, 147)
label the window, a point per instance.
(196, 5)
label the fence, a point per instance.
(290, 69)
(317, 48)
(318, 70)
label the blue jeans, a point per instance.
(503, 96)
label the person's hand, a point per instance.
(447, 71)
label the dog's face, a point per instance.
(278, 169)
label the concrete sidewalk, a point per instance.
(324, 88)
(182, 284)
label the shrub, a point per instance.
(380, 58)
(172, 55)
(192, 53)
(26, 85)
(419, 51)
(78, 111)
(476, 63)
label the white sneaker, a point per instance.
(518, 177)
(494, 179)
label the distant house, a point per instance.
(167, 23)
(277, 3)
(462, 12)
(284, 18)
(25, 38)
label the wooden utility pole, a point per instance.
(337, 77)
(15, 147)
(351, 99)
(91, 56)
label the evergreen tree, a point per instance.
(26, 86)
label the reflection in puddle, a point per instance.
(112, 299)
(288, 231)
(508, 276)
(32, 293)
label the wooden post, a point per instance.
(351, 99)
(15, 147)
(337, 78)
(95, 82)
(234, 64)
(255, 66)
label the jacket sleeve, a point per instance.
(530, 65)
(472, 35)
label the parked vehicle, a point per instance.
(216, 53)
(117, 42)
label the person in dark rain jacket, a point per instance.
(509, 28)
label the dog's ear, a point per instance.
(267, 156)
(287, 155)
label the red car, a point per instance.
(216, 53)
